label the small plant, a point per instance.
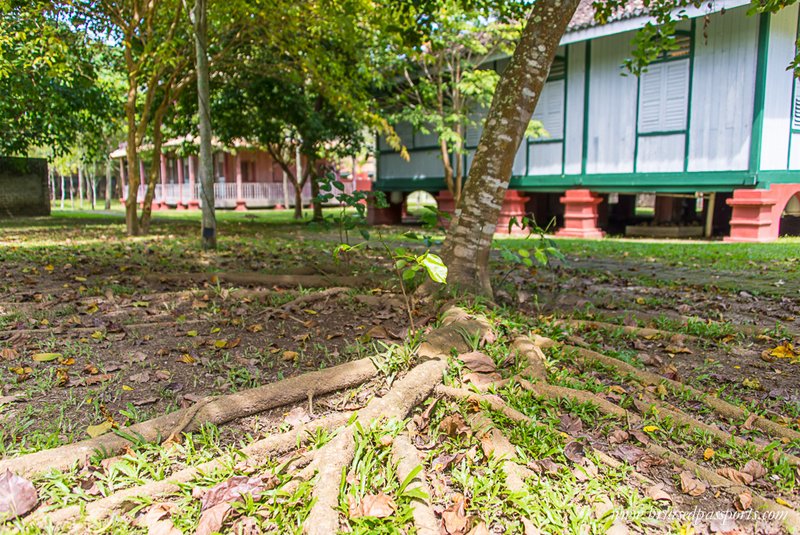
(540, 250)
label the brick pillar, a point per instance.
(391, 215)
(164, 181)
(363, 183)
(513, 206)
(445, 202)
(181, 203)
(240, 204)
(756, 216)
(194, 203)
(580, 214)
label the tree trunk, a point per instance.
(93, 182)
(80, 187)
(468, 244)
(209, 224)
(316, 203)
(108, 184)
(63, 190)
(154, 176)
(298, 201)
(131, 220)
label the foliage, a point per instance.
(54, 81)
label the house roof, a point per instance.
(584, 15)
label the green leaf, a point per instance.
(408, 274)
(541, 256)
(435, 267)
(411, 475)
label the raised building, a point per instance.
(712, 126)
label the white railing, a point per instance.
(254, 194)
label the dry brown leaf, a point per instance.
(618, 436)
(7, 353)
(297, 416)
(454, 518)
(481, 380)
(657, 492)
(675, 350)
(570, 424)
(479, 529)
(574, 451)
(478, 362)
(143, 377)
(755, 469)
(454, 426)
(17, 496)
(743, 501)
(376, 505)
(212, 519)
(691, 485)
(736, 476)
(158, 520)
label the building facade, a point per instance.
(712, 128)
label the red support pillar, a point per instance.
(164, 181)
(513, 207)
(580, 214)
(194, 204)
(757, 212)
(240, 204)
(181, 205)
(391, 215)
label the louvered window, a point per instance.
(550, 110)
(664, 97)
(796, 105)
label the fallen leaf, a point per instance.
(376, 505)
(158, 520)
(675, 350)
(657, 492)
(255, 328)
(233, 488)
(186, 358)
(95, 431)
(784, 351)
(755, 469)
(290, 355)
(708, 454)
(17, 496)
(618, 436)
(736, 476)
(94, 379)
(46, 357)
(454, 518)
(481, 380)
(650, 428)
(211, 519)
(8, 353)
(297, 416)
(752, 383)
(478, 362)
(570, 424)
(691, 485)
(191, 333)
(743, 501)
(143, 377)
(574, 451)
(454, 425)
(479, 529)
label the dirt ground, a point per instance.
(98, 332)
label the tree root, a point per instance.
(405, 394)
(641, 332)
(220, 410)
(90, 330)
(747, 330)
(722, 407)
(789, 518)
(495, 443)
(257, 452)
(406, 456)
(264, 279)
(305, 300)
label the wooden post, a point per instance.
(240, 204)
(194, 204)
(181, 205)
(164, 182)
(709, 226)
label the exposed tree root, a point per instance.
(404, 395)
(407, 458)
(90, 330)
(723, 436)
(641, 332)
(748, 330)
(220, 410)
(257, 452)
(323, 295)
(790, 519)
(264, 279)
(496, 444)
(722, 407)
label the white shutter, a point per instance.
(676, 98)
(550, 109)
(650, 93)
(664, 97)
(796, 105)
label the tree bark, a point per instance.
(315, 202)
(80, 186)
(468, 243)
(206, 168)
(108, 184)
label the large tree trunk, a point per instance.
(298, 201)
(468, 243)
(206, 170)
(80, 186)
(315, 201)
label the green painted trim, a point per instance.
(587, 60)
(765, 178)
(661, 133)
(636, 124)
(677, 182)
(545, 140)
(760, 94)
(412, 149)
(564, 111)
(687, 138)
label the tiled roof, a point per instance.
(584, 15)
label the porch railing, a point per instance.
(254, 194)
